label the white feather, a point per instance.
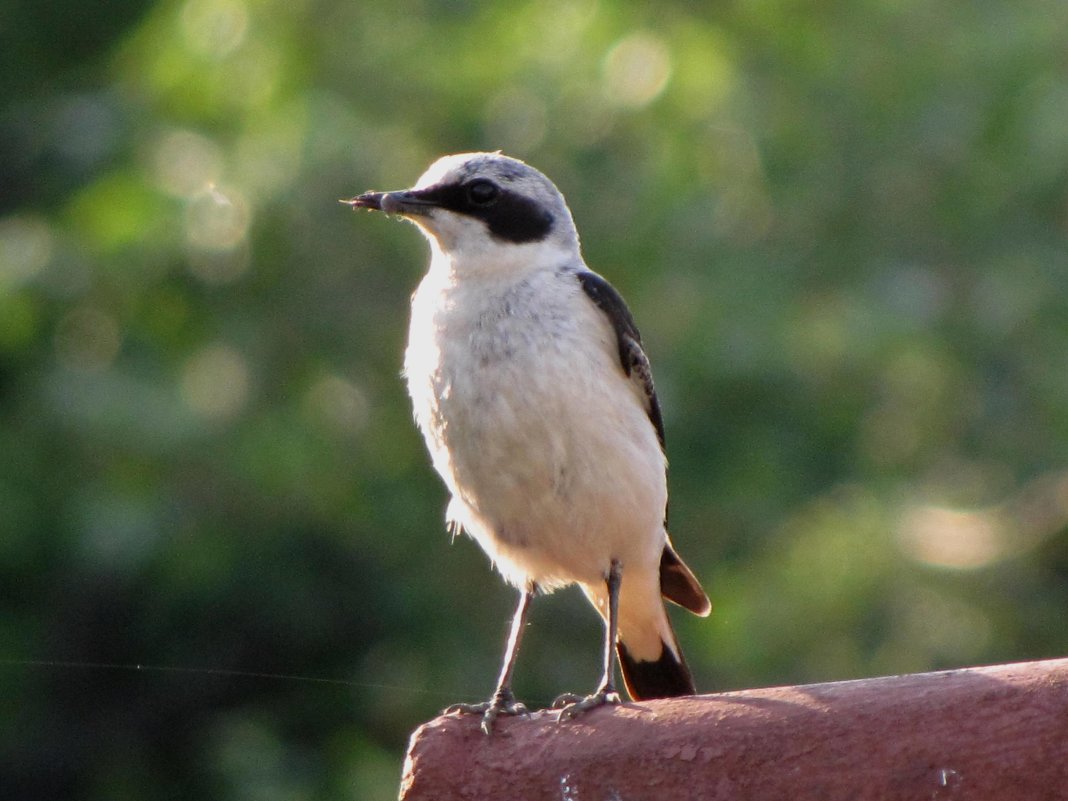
(542, 439)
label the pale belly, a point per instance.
(551, 459)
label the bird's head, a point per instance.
(482, 208)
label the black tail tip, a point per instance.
(665, 677)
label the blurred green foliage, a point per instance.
(841, 225)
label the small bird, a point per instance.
(531, 388)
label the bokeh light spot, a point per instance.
(336, 403)
(184, 163)
(215, 382)
(214, 28)
(953, 538)
(26, 245)
(636, 70)
(217, 219)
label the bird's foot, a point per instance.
(502, 703)
(571, 705)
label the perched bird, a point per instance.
(531, 388)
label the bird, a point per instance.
(534, 394)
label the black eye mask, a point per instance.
(507, 215)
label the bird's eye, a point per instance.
(482, 193)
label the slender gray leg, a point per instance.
(503, 701)
(571, 706)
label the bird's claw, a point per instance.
(571, 705)
(502, 703)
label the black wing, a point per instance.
(677, 582)
(631, 356)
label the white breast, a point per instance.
(552, 462)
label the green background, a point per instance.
(842, 227)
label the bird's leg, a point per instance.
(570, 705)
(503, 702)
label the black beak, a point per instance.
(368, 200)
(410, 202)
